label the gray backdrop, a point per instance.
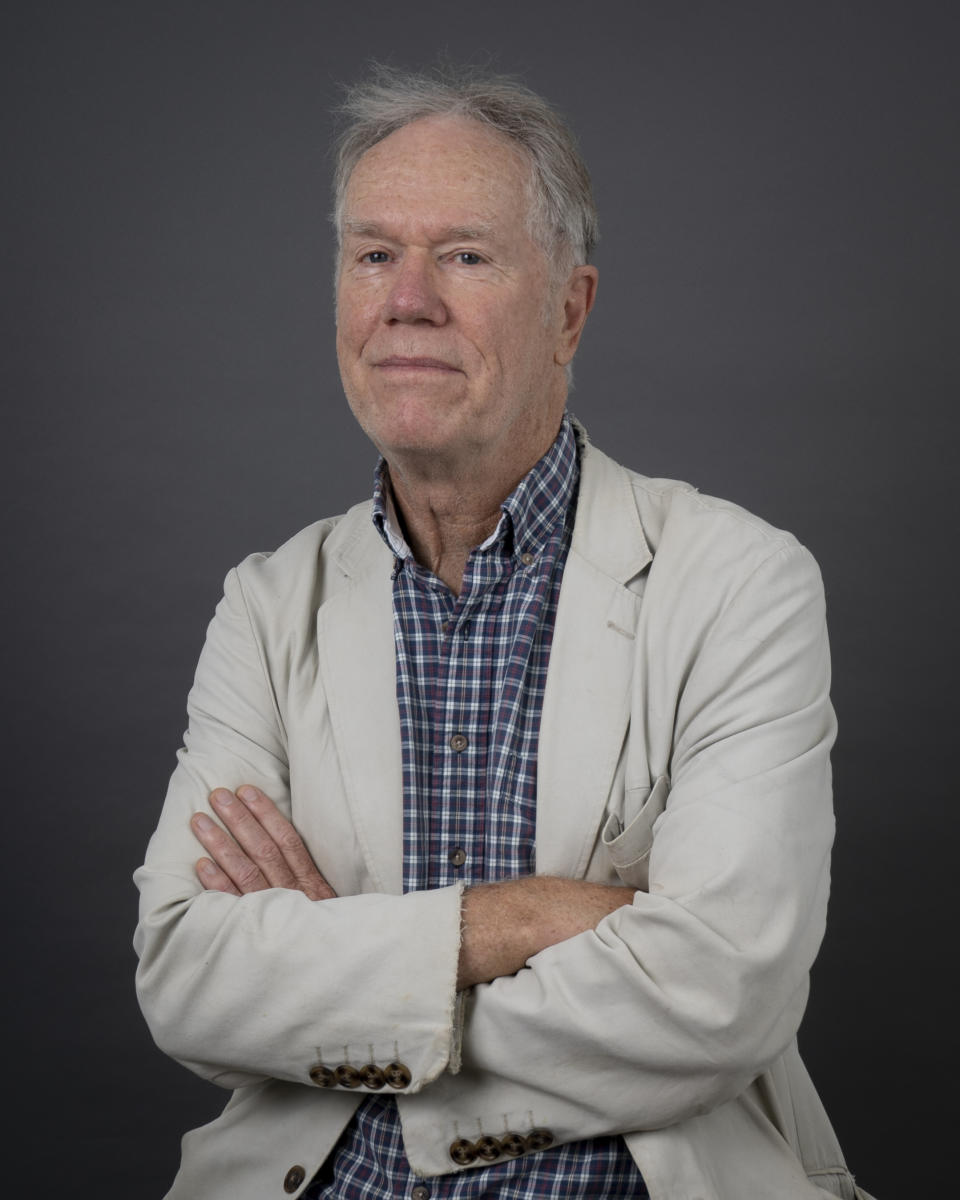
(777, 317)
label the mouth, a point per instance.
(398, 362)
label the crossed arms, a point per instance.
(504, 924)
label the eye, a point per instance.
(468, 258)
(375, 257)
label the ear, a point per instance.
(579, 294)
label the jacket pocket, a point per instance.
(629, 847)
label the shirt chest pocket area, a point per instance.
(628, 842)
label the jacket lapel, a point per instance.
(356, 648)
(587, 702)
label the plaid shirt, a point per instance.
(471, 672)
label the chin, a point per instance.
(410, 424)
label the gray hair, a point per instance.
(563, 216)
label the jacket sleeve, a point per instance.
(271, 984)
(674, 1004)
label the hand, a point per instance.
(265, 850)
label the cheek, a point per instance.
(523, 344)
(348, 361)
(342, 342)
(345, 317)
(351, 340)
(355, 315)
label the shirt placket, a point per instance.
(461, 729)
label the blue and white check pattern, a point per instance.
(471, 672)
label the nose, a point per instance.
(414, 294)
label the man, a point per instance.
(512, 788)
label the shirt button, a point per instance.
(458, 742)
(449, 627)
(458, 857)
(420, 1193)
(528, 559)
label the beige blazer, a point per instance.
(683, 751)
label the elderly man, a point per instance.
(510, 791)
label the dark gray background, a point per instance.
(777, 323)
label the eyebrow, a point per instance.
(456, 233)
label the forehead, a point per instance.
(447, 166)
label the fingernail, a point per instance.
(202, 822)
(222, 799)
(247, 794)
(206, 867)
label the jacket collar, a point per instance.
(607, 532)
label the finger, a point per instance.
(253, 840)
(297, 856)
(213, 879)
(227, 855)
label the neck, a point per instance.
(447, 510)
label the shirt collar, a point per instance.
(528, 514)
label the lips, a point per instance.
(402, 362)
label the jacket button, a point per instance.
(372, 1077)
(458, 742)
(457, 857)
(512, 1144)
(322, 1076)
(420, 1193)
(293, 1178)
(488, 1148)
(463, 1152)
(397, 1074)
(539, 1139)
(347, 1076)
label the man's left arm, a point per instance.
(675, 1002)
